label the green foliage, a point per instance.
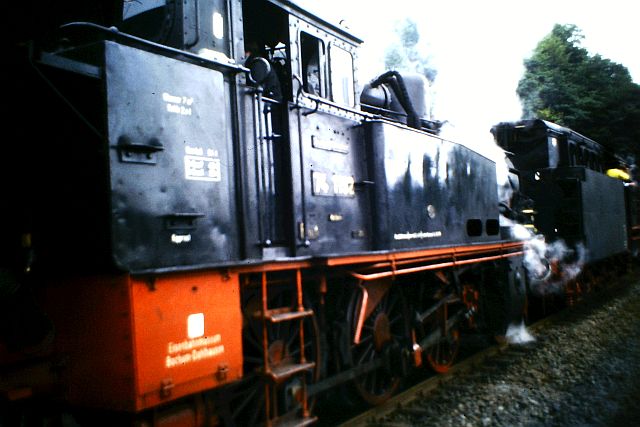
(405, 54)
(592, 95)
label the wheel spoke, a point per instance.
(387, 323)
(366, 339)
(391, 305)
(253, 360)
(367, 353)
(396, 320)
(253, 340)
(248, 396)
(293, 335)
(372, 381)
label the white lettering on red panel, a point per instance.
(196, 347)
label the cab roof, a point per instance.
(294, 8)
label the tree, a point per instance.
(405, 54)
(590, 94)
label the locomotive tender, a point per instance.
(582, 194)
(189, 244)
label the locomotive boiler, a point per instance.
(211, 222)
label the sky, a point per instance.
(478, 47)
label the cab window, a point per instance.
(313, 65)
(148, 19)
(342, 84)
(131, 8)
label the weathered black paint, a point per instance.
(331, 214)
(427, 190)
(580, 207)
(178, 209)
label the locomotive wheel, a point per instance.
(471, 300)
(442, 355)
(245, 401)
(382, 331)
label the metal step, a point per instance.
(286, 370)
(283, 314)
(294, 422)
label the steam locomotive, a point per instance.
(580, 194)
(208, 222)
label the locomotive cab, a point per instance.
(191, 25)
(305, 146)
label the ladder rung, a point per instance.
(294, 422)
(286, 370)
(284, 314)
(292, 315)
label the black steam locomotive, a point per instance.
(207, 222)
(580, 193)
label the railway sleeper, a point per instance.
(415, 411)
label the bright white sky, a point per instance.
(478, 47)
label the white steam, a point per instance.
(552, 265)
(518, 334)
(518, 231)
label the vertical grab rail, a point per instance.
(258, 132)
(269, 139)
(265, 167)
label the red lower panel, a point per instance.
(188, 335)
(133, 343)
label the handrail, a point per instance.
(421, 268)
(320, 100)
(114, 32)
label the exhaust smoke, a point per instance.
(551, 266)
(518, 334)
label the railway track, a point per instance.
(482, 389)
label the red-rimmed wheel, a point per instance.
(442, 355)
(434, 303)
(373, 332)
